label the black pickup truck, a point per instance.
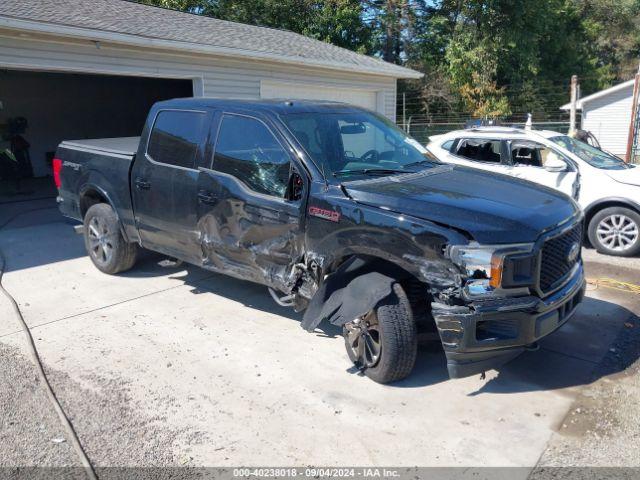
(340, 214)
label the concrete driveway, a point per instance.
(180, 366)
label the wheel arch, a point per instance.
(599, 205)
(342, 289)
(91, 194)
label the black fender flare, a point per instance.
(86, 187)
(350, 292)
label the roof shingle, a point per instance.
(129, 18)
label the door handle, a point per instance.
(206, 197)
(142, 184)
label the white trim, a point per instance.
(127, 39)
(600, 94)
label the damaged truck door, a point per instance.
(249, 203)
(341, 213)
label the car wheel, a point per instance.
(384, 341)
(615, 231)
(104, 242)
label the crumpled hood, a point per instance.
(630, 176)
(493, 208)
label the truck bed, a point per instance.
(118, 146)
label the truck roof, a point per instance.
(278, 106)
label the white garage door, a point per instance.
(304, 91)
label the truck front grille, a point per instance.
(556, 261)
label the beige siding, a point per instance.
(213, 76)
(608, 118)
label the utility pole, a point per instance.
(404, 111)
(632, 139)
(574, 105)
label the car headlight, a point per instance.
(484, 266)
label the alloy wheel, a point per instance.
(364, 340)
(618, 232)
(100, 240)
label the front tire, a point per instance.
(103, 240)
(384, 342)
(615, 231)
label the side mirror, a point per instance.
(554, 163)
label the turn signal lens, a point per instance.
(497, 263)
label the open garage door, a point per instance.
(360, 97)
(40, 109)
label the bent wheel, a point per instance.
(383, 342)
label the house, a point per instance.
(92, 68)
(607, 114)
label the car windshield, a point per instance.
(592, 155)
(357, 143)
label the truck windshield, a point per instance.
(357, 143)
(592, 155)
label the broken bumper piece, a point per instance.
(486, 335)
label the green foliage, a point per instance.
(486, 58)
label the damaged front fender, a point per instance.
(350, 292)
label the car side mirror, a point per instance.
(555, 164)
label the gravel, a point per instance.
(601, 432)
(108, 421)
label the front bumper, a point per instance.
(485, 335)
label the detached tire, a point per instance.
(103, 239)
(615, 231)
(385, 341)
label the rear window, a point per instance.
(175, 137)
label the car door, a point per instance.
(164, 183)
(250, 210)
(541, 164)
(483, 153)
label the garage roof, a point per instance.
(127, 22)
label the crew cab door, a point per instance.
(164, 183)
(250, 209)
(541, 164)
(483, 153)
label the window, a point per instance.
(447, 145)
(248, 150)
(590, 154)
(532, 154)
(480, 150)
(175, 137)
(350, 144)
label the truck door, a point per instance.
(250, 208)
(164, 183)
(538, 163)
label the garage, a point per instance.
(40, 109)
(366, 98)
(92, 68)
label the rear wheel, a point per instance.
(384, 341)
(615, 231)
(103, 240)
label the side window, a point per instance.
(447, 145)
(248, 150)
(175, 137)
(532, 154)
(479, 150)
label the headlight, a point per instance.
(484, 265)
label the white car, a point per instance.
(607, 189)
